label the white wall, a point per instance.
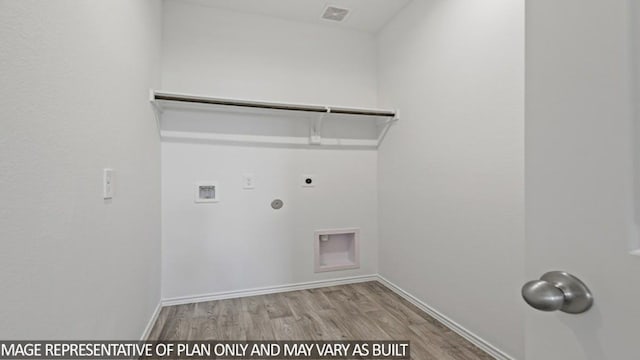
(240, 242)
(451, 172)
(232, 54)
(75, 77)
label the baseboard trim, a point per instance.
(152, 321)
(454, 326)
(267, 290)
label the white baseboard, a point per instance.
(152, 321)
(267, 290)
(459, 329)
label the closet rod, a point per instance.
(272, 106)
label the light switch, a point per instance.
(248, 182)
(107, 184)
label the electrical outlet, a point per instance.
(248, 182)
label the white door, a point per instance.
(581, 216)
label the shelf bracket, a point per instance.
(315, 137)
(157, 110)
(386, 125)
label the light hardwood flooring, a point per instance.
(365, 311)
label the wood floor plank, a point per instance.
(298, 304)
(399, 330)
(356, 294)
(340, 301)
(365, 311)
(255, 319)
(229, 320)
(205, 321)
(277, 306)
(288, 328)
(178, 323)
(317, 299)
(320, 329)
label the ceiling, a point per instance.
(365, 15)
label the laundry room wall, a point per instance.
(451, 173)
(240, 242)
(75, 81)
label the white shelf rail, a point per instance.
(162, 100)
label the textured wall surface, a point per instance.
(75, 78)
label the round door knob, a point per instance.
(558, 290)
(543, 295)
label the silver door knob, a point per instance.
(558, 290)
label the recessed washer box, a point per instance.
(337, 249)
(207, 192)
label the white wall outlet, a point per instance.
(248, 181)
(107, 184)
(207, 192)
(308, 181)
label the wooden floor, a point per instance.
(365, 311)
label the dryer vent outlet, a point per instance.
(335, 13)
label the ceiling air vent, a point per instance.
(335, 13)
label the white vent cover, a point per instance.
(335, 13)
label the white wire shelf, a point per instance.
(186, 117)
